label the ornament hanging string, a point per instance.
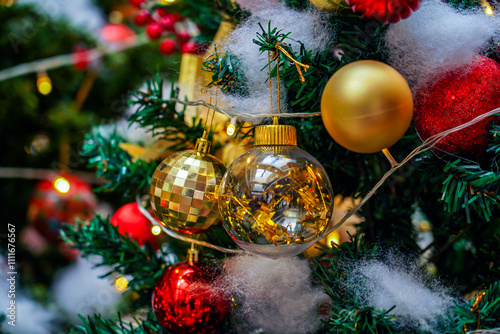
(175, 235)
(298, 64)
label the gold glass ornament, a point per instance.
(183, 189)
(276, 199)
(366, 106)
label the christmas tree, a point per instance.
(262, 196)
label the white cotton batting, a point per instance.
(275, 296)
(78, 289)
(391, 282)
(436, 39)
(309, 27)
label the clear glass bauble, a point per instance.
(275, 201)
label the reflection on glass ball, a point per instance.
(275, 201)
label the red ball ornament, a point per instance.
(456, 98)
(131, 221)
(59, 200)
(143, 18)
(185, 300)
(136, 3)
(81, 58)
(154, 30)
(163, 12)
(117, 33)
(168, 47)
(183, 36)
(167, 22)
(385, 10)
(189, 47)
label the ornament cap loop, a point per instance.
(203, 145)
(192, 254)
(275, 135)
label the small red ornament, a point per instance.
(183, 36)
(118, 33)
(131, 221)
(143, 18)
(59, 200)
(154, 30)
(81, 58)
(456, 98)
(163, 12)
(189, 47)
(185, 300)
(136, 3)
(385, 10)
(167, 22)
(168, 47)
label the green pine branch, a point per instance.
(124, 174)
(122, 254)
(97, 325)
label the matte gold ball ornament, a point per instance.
(366, 106)
(329, 5)
(183, 189)
(275, 200)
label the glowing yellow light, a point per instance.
(115, 17)
(44, 85)
(248, 160)
(488, 10)
(121, 284)
(333, 237)
(61, 185)
(231, 129)
(156, 230)
(168, 2)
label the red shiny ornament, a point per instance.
(118, 33)
(189, 47)
(81, 58)
(167, 22)
(185, 300)
(143, 18)
(183, 36)
(163, 12)
(456, 98)
(131, 221)
(168, 47)
(154, 30)
(59, 200)
(385, 10)
(136, 3)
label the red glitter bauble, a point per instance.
(143, 18)
(58, 200)
(131, 221)
(189, 47)
(456, 98)
(385, 10)
(185, 300)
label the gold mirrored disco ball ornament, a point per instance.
(366, 106)
(276, 199)
(183, 189)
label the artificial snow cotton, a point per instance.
(436, 39)
(391, 282)
(309, 27)
(78, 289)
(275, 296)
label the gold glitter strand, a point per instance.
(298, 64)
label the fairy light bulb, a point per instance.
(232, 126)
(156, 230)
(121, 284)
(488, 10)
(43, 83)
(333, 238)
(62, 185)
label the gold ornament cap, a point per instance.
(275, 135)
(203, 145)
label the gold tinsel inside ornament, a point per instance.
(276, 199)
(183, 189)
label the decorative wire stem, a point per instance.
(181, 237)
